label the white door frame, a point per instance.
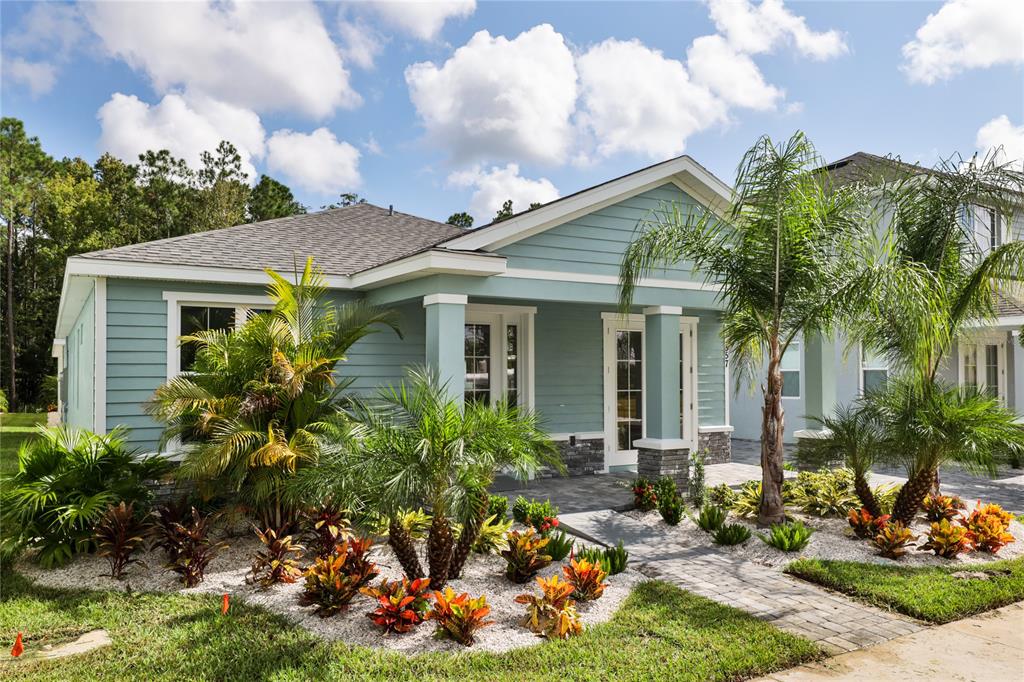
(979, 342)
(612, 323)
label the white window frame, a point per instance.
(979, 342)
(499, 317)
(615, 322)
(982, 216)
(864, 367)
(799, 343)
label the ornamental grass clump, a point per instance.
(118, 535)
(788, 537)
(947, 540)
(401, 604)
(332, 583)
(278, 561)
(732, 534)
(892, 540)
(458, 617)
(553, 614)
(587, 578)
(526, 555)
(711, 518)
(865, 526)
(613, 560)
(559, 545)
(988, 526)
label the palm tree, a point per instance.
(265, 400)
(783, 253)
(934, 252)
(419, 445)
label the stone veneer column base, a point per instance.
(582, 459)
(716, 446)
(653, 464)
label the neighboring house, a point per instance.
(525, 309)
(821, 374)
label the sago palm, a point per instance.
(935, 253)
(784, 253)
(261, 401)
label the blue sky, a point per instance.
(411, 105)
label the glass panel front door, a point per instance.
(628, 388)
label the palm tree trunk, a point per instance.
(470, 532)
(911, 495)
(439, 549)
(866, 495)
(772, 509)
(402, 545)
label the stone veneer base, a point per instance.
(582, 459)
(653, 464)
(716, 446)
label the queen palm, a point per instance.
(783, 253)
(261, 400)
(420, 446)
(935, 253)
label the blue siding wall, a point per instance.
(711, 388)
(381, 359)
(569, 374)
(594, 243)
(80, 359)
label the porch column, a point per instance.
(445, 331)
(661, 452)
(819, 382)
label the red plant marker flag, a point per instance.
(18, 647)
(224, 606)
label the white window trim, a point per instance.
(979, 341)
(500, 316)
(864, 366)
(100, 364)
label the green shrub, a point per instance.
(66, 480)
(491, 538)
(789, 537)
(732, 534)
(497, 506)
(722, 495)
(885, 496)
(644, 497)
(711, 518)
(535, 514)
(526, 555)
(748, 500)
(824, 493)
(698, 492)
(665, 488)
(559, 546)
(671, 509)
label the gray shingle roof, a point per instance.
(1006, 305)
(343, 241)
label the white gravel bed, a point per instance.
(482, 575)
(832, 539)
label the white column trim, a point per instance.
(100, 360)
(663, 444)
(718, 428)
(663, 310)
(454, 299)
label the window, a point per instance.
(874, 371)
(970, 366)
(992, 370)
(629, 387)
(478, 363)
(982, 365)
(987, 228)
(790, 368)
(512, 364)
(197, 319)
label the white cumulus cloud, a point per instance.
(500, 98)
(493, 187)
(730, 74)
(184, 126)
(38, 77)
(966, 34)
(634, 99)
(360, 43)
(316, 161)
(42, 42)
(267, 56)
(1000, 134)
(421, 19)
(761, 28)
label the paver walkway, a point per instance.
(836, 623)
(985, 648)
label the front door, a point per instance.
(624, 390)
(983, 366)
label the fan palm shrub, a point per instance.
(784, 253)
(420, 445)
(263, 401)
(933, 253)
(66, 480)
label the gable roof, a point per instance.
(343, 241)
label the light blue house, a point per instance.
(821, 374)
(525, 309)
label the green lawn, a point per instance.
(14, 430)
(928, 593)
(660, 632)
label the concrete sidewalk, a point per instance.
(985, 648)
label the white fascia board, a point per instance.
(433, 262)
(97, 267)
(74, 291)
(683, 171)
(586, 278)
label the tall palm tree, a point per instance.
(935, 252)
(263, 401)
(784, 252)
(419, 445)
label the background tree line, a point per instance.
(51, 209)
